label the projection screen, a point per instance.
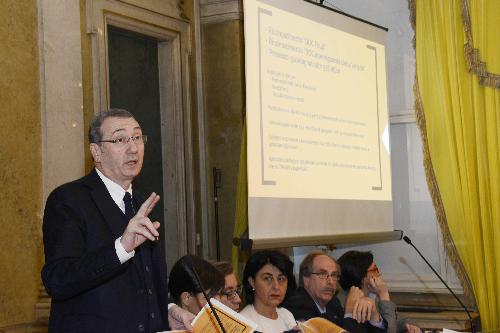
(318, 154)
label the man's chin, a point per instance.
(132, 172)
(327, 297)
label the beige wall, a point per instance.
(20, 160)
(223, 62)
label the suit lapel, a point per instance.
(111, 213)
(114, 217)
(312, 303)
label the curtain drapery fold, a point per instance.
(458, 111)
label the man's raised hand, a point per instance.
(140, 227)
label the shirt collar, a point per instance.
(320, 308)
(115, 190)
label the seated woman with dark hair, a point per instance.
(187, 292)
(358, 270)
(267, 280)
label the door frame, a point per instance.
(174, 48)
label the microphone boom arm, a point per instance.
(408, 240)
(198, 280)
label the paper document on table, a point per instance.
(232, 321)
(319, 325)
(445, 330)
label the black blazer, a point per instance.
(303, 307)
(91, 291)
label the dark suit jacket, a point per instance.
(303, 307)
(91, 291)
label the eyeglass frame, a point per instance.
(325, 275)
(208, 293)
(232, 293)
(374, 270)
(137, 139)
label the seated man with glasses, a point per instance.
(231, 294)
(316, 296)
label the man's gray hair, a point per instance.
(306, 265)
(95, 134)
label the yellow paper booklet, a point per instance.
(319, 325)
(232, 321)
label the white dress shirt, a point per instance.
(117, 193)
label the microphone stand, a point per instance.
(217, 184)
(198, 280)
(408, 240)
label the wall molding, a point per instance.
(171, 8)
(405, 117)
(202, 142)
(61, 96)
(215, 11)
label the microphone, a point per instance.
(198, 280)
(408, 240)
(217, 174)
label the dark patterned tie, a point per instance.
(129, 207)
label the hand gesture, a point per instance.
(377, 285)
(365, 310)
(412, 328)
(354, 294)
(180, 319)
(140, 227)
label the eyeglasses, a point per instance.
(324, 275)
(230, 294)
(122, 141)
(374, 270)
(211, 293)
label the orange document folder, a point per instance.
(319, 325)
(233, 322)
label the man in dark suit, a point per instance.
(315, 297)
(103, 267)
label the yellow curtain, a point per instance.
(241, 219)
(458, 108)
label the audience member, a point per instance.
(315, 297)
(230, 295)
(267, 280)
(358, 270)
(187, 292)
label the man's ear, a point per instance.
(96, 152)
(306, 280)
